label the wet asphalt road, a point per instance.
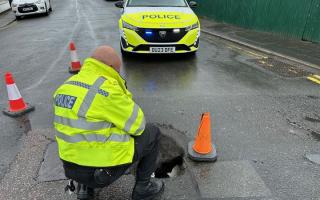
(251, 106)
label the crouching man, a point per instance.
(101, 131)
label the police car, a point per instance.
(30, 7)
(158, 26)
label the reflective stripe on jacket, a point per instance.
(95, 117)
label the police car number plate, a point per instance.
(162, 49)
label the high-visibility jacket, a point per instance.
(95, 118)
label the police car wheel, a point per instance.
(18, 18)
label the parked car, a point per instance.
(30, 7)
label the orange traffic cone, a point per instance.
(17, 106)
(75, 62)
(202, 149)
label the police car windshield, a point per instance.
(156, 3)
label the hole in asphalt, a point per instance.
(170, 168)
(312, 97)
(312, 119)
(170, 162)
(315, 135)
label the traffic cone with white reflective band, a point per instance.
(17, 106)
(75, 65)
(202, 149)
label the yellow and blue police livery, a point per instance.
(153, 26)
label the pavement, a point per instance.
(6, 16)
(304, 51)
(265, 112)
(4, 6)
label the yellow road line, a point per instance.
(314, 78)
(256, 55)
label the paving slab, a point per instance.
(230, 179)
(6, 18)
(51, 168)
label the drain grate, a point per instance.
(282, 67)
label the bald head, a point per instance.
(108, 56)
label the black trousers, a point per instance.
(146, 153)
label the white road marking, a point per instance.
(61, 54)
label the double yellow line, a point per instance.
(314, 78)
(250, 53)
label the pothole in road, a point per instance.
(315, 119)
(313, 97)
(315, 135)
(171, 159)
(170, 168)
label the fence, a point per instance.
(290, 18)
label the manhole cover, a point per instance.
(282, 67)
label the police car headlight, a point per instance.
(14, 4)
(129, 26)
(39, 1)
(193, 26)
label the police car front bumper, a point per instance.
(138, 42)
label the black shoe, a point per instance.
(147, 190)
(84, 192)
